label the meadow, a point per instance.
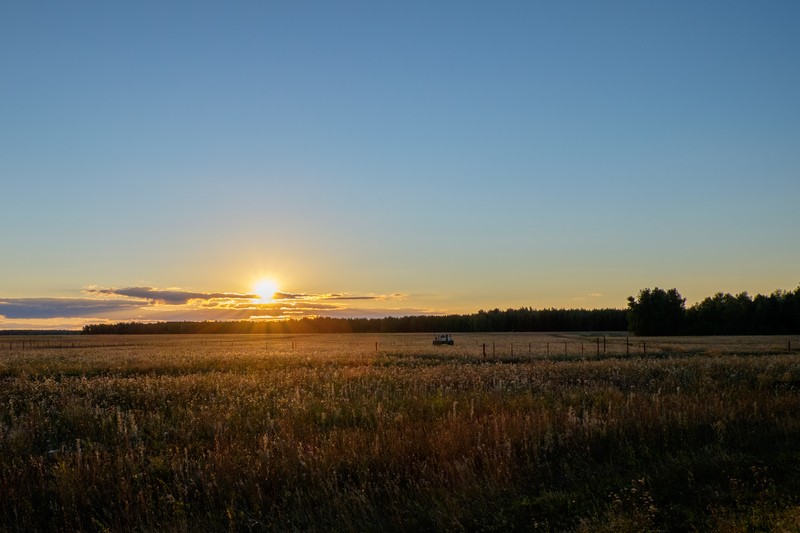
(568, 432)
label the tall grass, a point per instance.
(186, 434)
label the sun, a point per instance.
(265, 289)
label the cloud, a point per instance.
(183, 297)
(347, 297)
(350, 312)
(62, 307)
(290, 296)
(170, 296)
(336, 296)
(149, 304)
(588, 296)
(164, 314)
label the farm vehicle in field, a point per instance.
(443, 338)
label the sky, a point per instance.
(159, 160)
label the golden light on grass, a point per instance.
(265, 288)
(382, 432)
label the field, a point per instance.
(504, 432)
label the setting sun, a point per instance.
(265, 289)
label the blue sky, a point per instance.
(410, 157)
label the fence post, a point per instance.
(565, 349)
(484, 350)
(493, 351)
(598, 347)
(548, 349)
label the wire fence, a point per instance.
(482, 346)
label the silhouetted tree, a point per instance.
(724, 314)
(721, 314)
(656, 312)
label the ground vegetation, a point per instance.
(388, 433)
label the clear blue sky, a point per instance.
(409, 156)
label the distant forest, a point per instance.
(653, 312)
(523, 319)
(663, 312)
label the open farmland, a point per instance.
(387, 432)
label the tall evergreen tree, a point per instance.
(656, 312)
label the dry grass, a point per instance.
(174, 433)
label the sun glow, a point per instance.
(265, 289)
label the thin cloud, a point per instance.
(346, 297)
(588, 296)
(380, 297)
(254, 306)
(208, 313)
(349, 312)
(170, 296)
(290, 296)
(336, 296)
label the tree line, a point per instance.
(653, 312)
(663, 312)
(523, 319)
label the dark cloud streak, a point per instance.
(170, 297)
(63, 307)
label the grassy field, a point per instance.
(564, 432)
